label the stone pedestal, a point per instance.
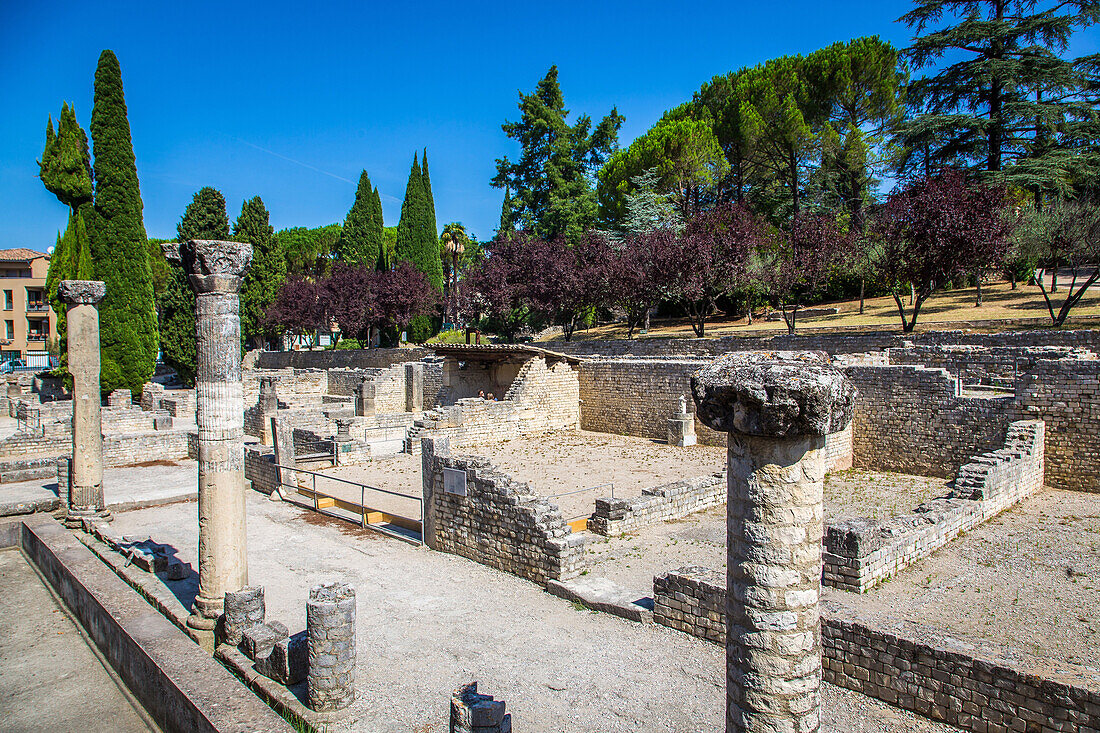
(681, 430)
(364, 399)
(343, 430)
(777, 408)
(244, 609)
(215, 270)
(86, 473)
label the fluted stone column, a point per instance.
(777, 408)
(215, 270)
(86, 474)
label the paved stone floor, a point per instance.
(162, 481)
(429, 621)
(51, 680)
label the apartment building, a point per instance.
(29, 324)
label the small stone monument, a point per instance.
(681, 426)
(777, 408)
(85, 489)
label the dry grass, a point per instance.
(1001, 303)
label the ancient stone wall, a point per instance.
(833, 343)
(860, 553)
(658, 504)
(997, 366)
(339, 359)
(499, 522)
(975, 694)
(259, 468)
(912, 419)
(130, 448)
(1065, 393)
(541, 399)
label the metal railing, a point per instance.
(363, 510)
(581, 491)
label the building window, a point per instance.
(34, 331)
(9, 329)
(8, 304)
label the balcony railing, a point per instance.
(36, 337)
(37, 307)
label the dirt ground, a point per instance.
(558, 463)
(878, 494)
(428, 622)
(1025, 586)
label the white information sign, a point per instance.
(454, 481)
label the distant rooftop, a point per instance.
(19, 254)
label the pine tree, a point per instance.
(550, 184)
(361, 238)
(1008, 104)
(267, 273)
(204, 218)
(418, 244)
(128, 326)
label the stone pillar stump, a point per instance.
(215, 270)
(777, 408)
(86, 473)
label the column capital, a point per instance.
(81, 292)
(214, 266)
(777, 394)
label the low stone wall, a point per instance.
(495, 520)
(835, 342)
(971, 364)
(259, 468)
(975, 694)
(130, 448)
(180, 686)
(859, 553)
(658, 504)
(339, 358)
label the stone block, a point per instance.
(258, 641)
(244, 609)
(162, 422)
(288, 662)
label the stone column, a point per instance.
(269, 406)
(330, 626)
(86, 477)
(215, 270)
(777, 408)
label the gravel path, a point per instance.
(428, 622)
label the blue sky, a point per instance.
(289, 101)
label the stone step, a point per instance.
(601, 594)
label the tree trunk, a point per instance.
(862, 288)
(978, 280)
(912, 293)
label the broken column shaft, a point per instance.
(215, 270)
(86, 475)
(777, 408)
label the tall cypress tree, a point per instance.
(428, 194)
(204, 218)
(128, 326)
(383, 262)
(267, 273)
(418, 243)
(361, 238)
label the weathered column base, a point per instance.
(85, 502)
(681, 431)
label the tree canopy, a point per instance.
(266, 274)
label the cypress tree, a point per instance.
(128, 327)
(361, 238)
(204, 218)
(428, 195)
(383, 261)
(65, 168)
(268, 271)
(418, 243)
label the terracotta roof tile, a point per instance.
(20, 254)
